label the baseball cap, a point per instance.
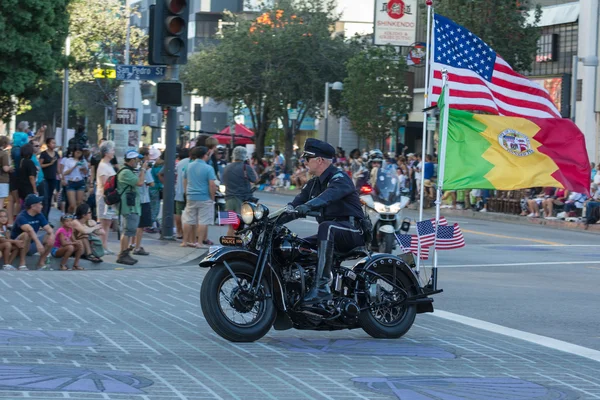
(32, 199)
(133, 154)
(153, 153)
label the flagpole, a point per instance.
(428, 48)
(441, 170)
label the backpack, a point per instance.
(111, 194)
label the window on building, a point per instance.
(547, 48)
(579, 89)
(206, 29)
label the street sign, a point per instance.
(293, 114)
(140, 72)
(101, 73)
(431, 123)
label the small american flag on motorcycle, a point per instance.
(426, 230)
(410, 243)
(227, 218)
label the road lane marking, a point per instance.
(512, 237)
(545, 341)
(519, 264)
(593, 267)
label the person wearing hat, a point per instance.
(27, 228)
(237, 178)
(129, 206)
(146, 210)
(332, 192)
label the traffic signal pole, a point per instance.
(172, 74)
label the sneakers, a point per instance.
(23, 268)
(125, 258)
(8, 267)
(483, 210)
(140, 252)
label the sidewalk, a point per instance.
(163, 253)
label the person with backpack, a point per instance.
(127, 182)
(104, 170)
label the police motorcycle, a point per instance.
(383, 204)
(258, 279)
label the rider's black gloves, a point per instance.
(302, 210)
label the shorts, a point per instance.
(4, 187)
(32, 247)
(12, 182)
(233, 204)
(75, 186)
(146, 217)
(179, 207)
(199, 212)
(102, 210)
(131, 222)
(53, 251)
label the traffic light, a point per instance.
(168, 32)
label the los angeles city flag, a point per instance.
(506, 153)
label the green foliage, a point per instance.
(374, 92)
(502, 24)
(33, 35)
(279, 60)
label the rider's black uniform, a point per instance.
(334, 194)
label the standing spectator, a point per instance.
(237, 178)
(27, 228)
(157, 162)
(129, 206)
(427, 172)
(278, 162)
(75, 169)
(104, 170)
(27, 173)
(200, 189)
(40, 182)
(5, 170)
(211, 144)
(49, 161)
(146, 210)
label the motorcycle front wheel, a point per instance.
(231, 310)
(386, 245)
(386, 322)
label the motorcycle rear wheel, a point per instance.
(245, 320)
(390, 322)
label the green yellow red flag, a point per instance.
(506, 153)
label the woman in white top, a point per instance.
(104, 171)
(74, 170)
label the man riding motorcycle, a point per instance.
(332, 192)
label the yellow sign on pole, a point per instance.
(101, 73)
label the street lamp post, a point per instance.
(334, 86)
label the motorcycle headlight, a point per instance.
(222, 188)
(380, 208)
(260, 212)
(395, 208)
(247, 212)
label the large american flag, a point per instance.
(426, 230)
(449, 237)
(479, 79)
(410, 244)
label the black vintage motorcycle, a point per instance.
(258, 279)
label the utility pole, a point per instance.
(65, 100)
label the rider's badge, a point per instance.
(515, 143)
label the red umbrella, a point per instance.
(243, 135)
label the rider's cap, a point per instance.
(317, 148)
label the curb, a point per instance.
(550, 223)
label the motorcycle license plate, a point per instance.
(231, 241)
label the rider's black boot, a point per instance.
(320, 291)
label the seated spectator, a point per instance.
(27, 228)
(89, 233)
(533, 204)
(65, 246)
(558, 199)
(592, 203)
(300, 176)
(8, 247)
(574, 203)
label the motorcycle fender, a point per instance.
(230, 253)
(402, 267)
(386, 229)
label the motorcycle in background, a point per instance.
(383, 204)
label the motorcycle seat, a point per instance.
(356, 252)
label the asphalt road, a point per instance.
(531, 278)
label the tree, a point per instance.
(33, 35)
(375, 93)
(502, 24)
(276, 61)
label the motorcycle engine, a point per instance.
(349, 310)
